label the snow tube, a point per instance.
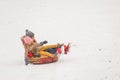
(41, 60)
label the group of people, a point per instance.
(35, 49)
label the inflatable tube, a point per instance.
(39, 60)
(44, 60)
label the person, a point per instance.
(35, 49)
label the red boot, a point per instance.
(59, 51)
(66, 48)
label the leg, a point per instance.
(51, 46)
(46, 54)
(51, 50)
(48, 46)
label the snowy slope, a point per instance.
(92, 26)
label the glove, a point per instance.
(43, 42)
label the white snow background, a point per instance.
(92, 26)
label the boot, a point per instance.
(66, 48)
(26, 61)
(59, 51)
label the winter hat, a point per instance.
(29, 33)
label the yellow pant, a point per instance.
(45, 54)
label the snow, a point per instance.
(92, 26)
